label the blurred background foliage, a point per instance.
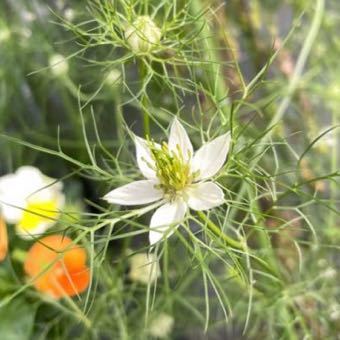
(41, 106)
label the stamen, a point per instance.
(172, 169)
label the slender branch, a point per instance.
(292, 87)
(235, 244)
(217, 231)
(144, 100)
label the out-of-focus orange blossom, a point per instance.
(3, 239)
(57, 266)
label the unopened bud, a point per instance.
(5, 34)
(144, 268)
(162, 325)
(113, 77)
(59, 65)
(143, 35)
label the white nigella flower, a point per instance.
(175, 176)
(30, 200)
(143, 34)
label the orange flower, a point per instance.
(3, 239)
(57, 266)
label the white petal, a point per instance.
(10, 213)
(145, 161)
(179, 138)
(203, 196)
(165, 217)
(36, 232)
(26, 184)
(10, 198)
(209, 159)
(139, 192)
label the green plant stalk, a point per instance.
(215, 77)
(144, 100)
(334, 167)
(69, 107)
(217, 231)
(264, 239)
(233, 243)
(292, 87)
(118, 115)
(286, 317)
(79, 314)
(146, 119)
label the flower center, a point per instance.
(172, 169)
(38, 212)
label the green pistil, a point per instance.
(172, 170)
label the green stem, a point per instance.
(334, 167)
(146, 120)
(235, 244)
(217, 231)
(118, 115)
(144, 100)
(78, 312)
(214, 74)
(292, 87)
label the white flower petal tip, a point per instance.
(164, 220)
(144, 158)
(209, 159)
(135, 193)
(179, 139)
(204, 196)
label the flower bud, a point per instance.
(113, 77)
(335, 312)
(143, 35)
(5, 34)
(59, 65)
(69, 14)
(161, 326)
(144, 268)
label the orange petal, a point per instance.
(71, 283)
(67, 273)
(75, 258)
(3, 239)
(45, 252)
